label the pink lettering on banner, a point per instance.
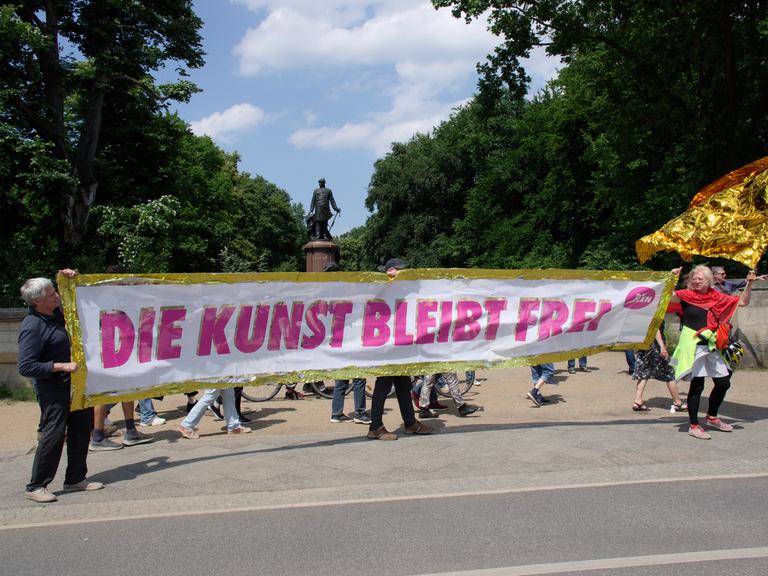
(146, 334)
(212, 330)
(582, 310)
(402, 338)
(285, 328)
(117, 338)
(467, 326)
(446, 319)
(554, 313)
(340, 310)
(169, 331)
(250, 338)
(605, 307)
(315, 325)
(425, 321)
(526, 317)
(494, 307)
(640, 297)
(376, 317)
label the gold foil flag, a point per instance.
(728, 219)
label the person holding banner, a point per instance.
(697, 356)
(402, 385)
(45, 356)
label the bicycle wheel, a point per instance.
(369, 389)
(464, 385)
(261, 392)
(325, 388)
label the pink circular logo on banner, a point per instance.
(640, 298)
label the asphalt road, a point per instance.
(695, 527)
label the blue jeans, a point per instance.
(630, 356)
(582, 363)
(228, 400)
(542, 371)
(146, 410)
(339, 390)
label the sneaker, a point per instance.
(134, 437)
(188, 432)
(381, 434)
(40, 495)
(103, 445)
(535, 396)
(466, 410)
(83, 485)
(571, 370)
(698, 432)
(426, 413)
(437, 406)
(362, 418)
(216, 410)
(415, 398)
(718, 424)
(341, 418)
(418, 428)
(239, 430)
(156, 421)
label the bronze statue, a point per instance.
(320, 212)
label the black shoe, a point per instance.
(466, 410)
(216, 411)
(243, 419)
(426, 413)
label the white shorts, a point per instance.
(708, 364)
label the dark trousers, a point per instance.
(56, 424)
(716, 397)
(381, 388)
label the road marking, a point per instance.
(342, 502)
(614, 563)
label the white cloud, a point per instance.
(224, 126)
(431, 54)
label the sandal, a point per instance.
(682, 407)
(640, 407)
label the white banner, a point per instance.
(141, 337)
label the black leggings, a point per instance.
(716, 397)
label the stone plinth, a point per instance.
(318, 253)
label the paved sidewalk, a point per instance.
(588, 436)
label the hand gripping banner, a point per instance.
(139, 336)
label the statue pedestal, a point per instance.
(318, 253)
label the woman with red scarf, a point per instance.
(697, 357)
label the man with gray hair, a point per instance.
(725, 286)
(45, 356)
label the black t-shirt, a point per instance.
(693, 316)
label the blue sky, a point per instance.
(304, 89)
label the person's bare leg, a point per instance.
(639, 390)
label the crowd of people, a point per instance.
(44, 356)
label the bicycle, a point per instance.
(464, 385)
(323, 388)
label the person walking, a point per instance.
(696, 354)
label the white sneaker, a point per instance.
(40, 495)
(156, 421)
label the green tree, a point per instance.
(63, 62)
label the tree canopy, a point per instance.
(654, 101)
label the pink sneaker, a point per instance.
(698, 432)
(718, 424)
(239, 430)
